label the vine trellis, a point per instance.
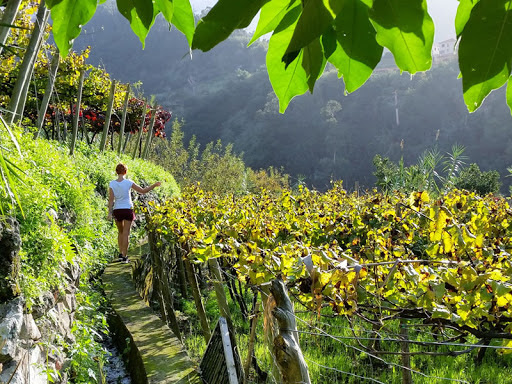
(379, 260)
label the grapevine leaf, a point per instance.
(183, 19)
(289, 81)
(509, 93)
(316, 17)
(270, 16)
(224, 18)
(329, 42)
(141, 15)
(407, 30)
(68, 18)
(463, 13)
(358, 52)
(166, 7)
(313, 62)
(485, 52)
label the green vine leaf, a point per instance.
(287, 81)
(183, 19)
(509, 94)
(68, 17)
(315, 18)
(463, 13)
(407, 30)
(485, 52)
(357, 52)
(271, 15)
(313, 62)
(166, 7)
(141, 15)
(224, 18)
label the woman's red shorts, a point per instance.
(124, 214)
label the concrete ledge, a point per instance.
(155, 355)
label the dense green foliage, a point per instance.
(350, 35)
(473, 179)
(216, 168)
(435, 173)
(64, 205)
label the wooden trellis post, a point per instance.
(123, 120)
(104, 135)
(149, 135)
(47, 93)
(197, 299)
(139, 135)
(77, 113)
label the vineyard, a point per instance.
(409, 276)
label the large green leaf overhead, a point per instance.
(463, 12)
(313, 62)
(271, 15)
(68, 17)
(509, 93)
(292, 80)
(314, 20)
(183, 19)
(407, 30)
(141, 15)
(224, 18)
(485, 50)
(357, 52)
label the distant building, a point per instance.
(444, 48)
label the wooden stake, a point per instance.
(123, 120)
(106, 126)
(47, 93)
(197, 298)
(77, 113)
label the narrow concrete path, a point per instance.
(155, 355)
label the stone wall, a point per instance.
(31, 343)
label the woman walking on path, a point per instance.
(120, 205)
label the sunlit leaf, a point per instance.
(463, 13)
(485, 52)
(313, 62)
(407, 30)
(358, 52)
(313, 22)
(224, 18)
(290, 81)
(166, 7)
(141, 15)
(183, 19)
(271, 15)
(68, 17)
(509, 93)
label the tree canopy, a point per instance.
(349, 34)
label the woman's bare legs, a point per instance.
(123, 235)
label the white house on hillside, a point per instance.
(444, 48)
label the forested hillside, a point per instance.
(226, 94)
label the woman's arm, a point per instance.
(110, 203)
(147, 189)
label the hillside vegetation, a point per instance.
(225, 93)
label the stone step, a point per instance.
(155, 355)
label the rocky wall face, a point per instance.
(29, 347)
(10, 244)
